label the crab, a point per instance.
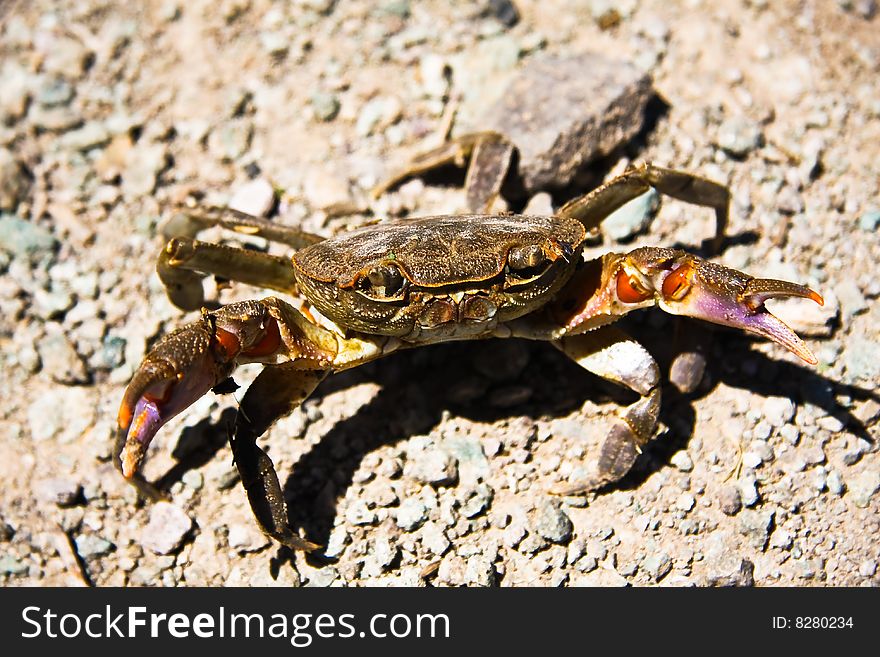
(404, 284)
(556, 115)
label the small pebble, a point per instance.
(25, 239)
(863, 486)
(10, 565)
(729, 500)
(755, 526)
(682, 460)
(657, 566)
(325, 106)
(59, 491)
(433, 466)
(869, 221)
(739, 136)
(551, 522)
(411, 514)
(256, 198)
(685, 502)
(89, 546)
(167, 529)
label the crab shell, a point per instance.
(440, 278)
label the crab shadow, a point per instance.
(417, 387)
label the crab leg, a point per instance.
(186, 364)
(184, 262)
(590, 209)
(276, 392)
(490, 156)
(455, 151)
(608, 352)
(189, 223)
(488, 169)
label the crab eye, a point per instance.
(383, 281)
(630, 289)
(526, 257)
(678, 283)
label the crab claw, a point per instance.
(185, 365)
(684, 284)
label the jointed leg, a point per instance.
(184, 262)
(592, 208)
(611, 354)
(276, 392)
(490, 156)
(189, 223)
(186, 364)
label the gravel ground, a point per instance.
(432, 466)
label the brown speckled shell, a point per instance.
(435, 251)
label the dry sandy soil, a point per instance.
(432, 467)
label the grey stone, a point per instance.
(755, 526)
(89, 546)
(868, 568)
(25, 239)
(245, 537)
(748, 490)
(863, 486)
(632, 218)
(15, 82)
(61, 361)
(144, 164)
(729, 500)
(835, 483)
(685, 502)
(255, 198)
(167, 529)
(112, 352)
(682, 460)
(55, 119)
(66, 56)
(657, 566)
(551, 522)
(358, 513)
(860, 358)
(193, 479)
(478, 500)
(11, 565)
(869, 221)
(91, 135)
(432, 466)
(322, 577)
(729, 569)
(231, 139)
(411, 514)
(687, 371)
(380, 558)
(377, 114)
(325, 106)
(59, 491)
(53, 91)
(14, 182)
(778, 410)
(739, 136)
(434, 538)
(479, 571)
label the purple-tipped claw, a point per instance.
(181, 368)
(684, 284)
